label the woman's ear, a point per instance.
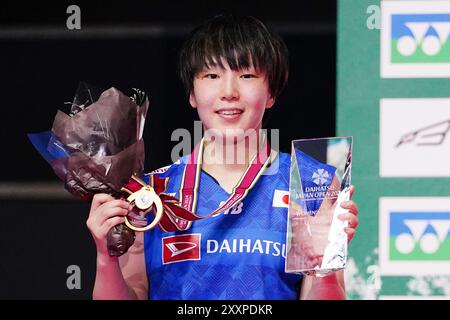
(270, 102)
(192, 100)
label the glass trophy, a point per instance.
(320, 174)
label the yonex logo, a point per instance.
(236, 209)
(414, 236)
(420, 38)
(420, 235)
(430, 37)
(321, 177)
(181, 248)
(415, 39)
(429, 242)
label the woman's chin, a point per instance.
(230, 134)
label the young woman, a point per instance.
(233, 68)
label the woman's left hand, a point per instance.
(351, 216)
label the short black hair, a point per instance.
(243, 41)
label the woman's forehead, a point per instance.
(224, 63)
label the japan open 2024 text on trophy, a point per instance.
(320, 176)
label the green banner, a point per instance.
(393, 97)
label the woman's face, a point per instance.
(231, 101)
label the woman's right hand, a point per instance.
(105, 213)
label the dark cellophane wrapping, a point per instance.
(98, 147)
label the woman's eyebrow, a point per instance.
(208, 68)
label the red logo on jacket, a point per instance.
(181, 248)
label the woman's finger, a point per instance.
(119, 203)
(351, 218)
(352, 191)
(350, 233)
(110, 223)
(100, 199)
(351, 206)
(111, 212)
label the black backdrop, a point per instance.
(124, 44)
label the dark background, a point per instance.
(124, 44)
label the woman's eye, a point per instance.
(248, 76)
(211, 76)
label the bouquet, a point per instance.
(97, 147)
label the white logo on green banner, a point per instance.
(415, 235)
(415, 39)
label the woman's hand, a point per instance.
(106, 212)
(351, 216)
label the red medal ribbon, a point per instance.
(178, 216)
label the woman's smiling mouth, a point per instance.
(231, 113)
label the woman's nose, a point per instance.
(230, 90)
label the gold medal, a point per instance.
(144, 199)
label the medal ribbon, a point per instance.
(191, 178)
(180, 216)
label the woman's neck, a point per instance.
(227, 159)
(230, 155)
